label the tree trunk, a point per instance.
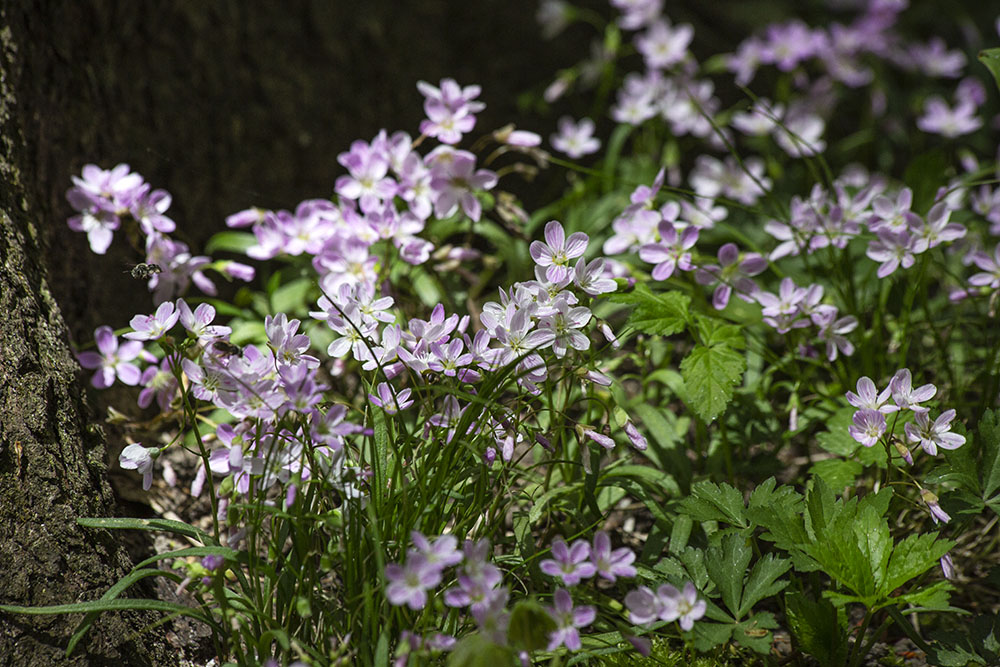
(52, 462)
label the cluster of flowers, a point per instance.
(832, 219)
(478, 587)
(531, 317)
(870, 424)
(339, 235)
(103, 197)
(259, 388)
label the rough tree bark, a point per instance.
(52, 467)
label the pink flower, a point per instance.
(568, 621)
(557, 250)
(408, 584)
(868, 426)
(933, 435)
(671, 252)
(137, 457)
(569, 563)
(611, 564)
(111, 360)
(575, 139)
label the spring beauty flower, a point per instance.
(152, 327)
(905, 396)
(110, 360)
(137, 457)
(408, 584)
(569, 619)
(932, 435)
(868, 426)
(569, 563)
(575, 139)
(611, 564)
(671, 252)
(557, 251)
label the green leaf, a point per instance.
(912, 557)
(726, 566)
(710, 376)
(837, 473)
(381, 441)
(120, 604)
(989, 437)
(291, 297)
(714, 331)
(818, 628)
(715, 502)
(875, 543)
(763, 582)
(530, 626)
(236, 242)
(476, 650)
(660, 314)
(836, 439)
(167, 525)
(754, 633)
(707, 636)
(991, 58)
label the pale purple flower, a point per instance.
(936, 60)
(450, 110)
(687, 606)
(947, 566)
(671, 251)
(137, 457)
(199, 322)
(941, 119)
(592, 278)
(152, 327)
(390, 402)
(893, 216)
(98, 224)
(868, 426)
(408, 584)
(906, 397)
(869, 398)
(932, 435)
(931, 500)
(833, 330)
(575, 139)
(569, 563)
(663, 45)
(936, 229)
(782, 310)
(557, 250)
(892, 249)
(638, 439)
(599, 438)
(110, 360)
(569, 620)
(990, 276)
(731, 273)
(637, 13)
(442, 553)
(149, 208)
(611, 564)
(455, 183)
(158, 382)
(644, 605)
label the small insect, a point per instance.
(227, 349)
(144, 271)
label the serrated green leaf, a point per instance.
(726, 566)
(763, 582)
(715, 502)
(818, 628)
(837, 473)
(836, 439)
(707, 635)
(875, 543)
(714, 331)
(710, 377)
(991, 58)
(935, 597)
(912, 557)
(658, 314)
(754, 633)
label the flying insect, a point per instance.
(144, 271)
